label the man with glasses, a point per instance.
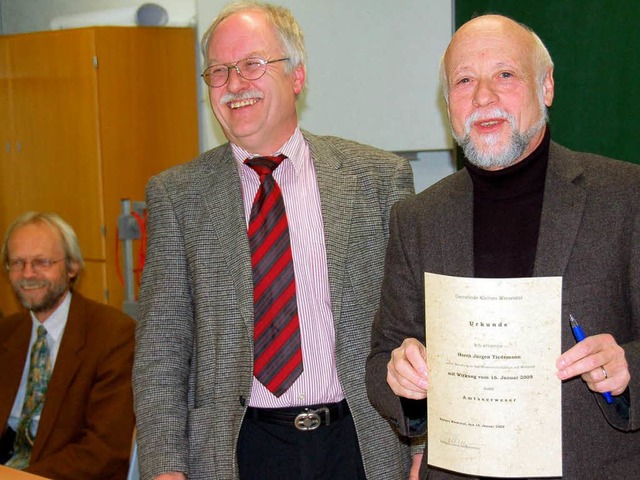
(250, 353)
(66, 406)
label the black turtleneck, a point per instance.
(507, 205)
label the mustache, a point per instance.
(31, 283)
(234, 97)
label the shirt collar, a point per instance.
(293, 149)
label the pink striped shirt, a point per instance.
(296, 177)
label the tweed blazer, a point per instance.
(194, 357)
(589, 235)
(86, 425)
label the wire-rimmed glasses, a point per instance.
(251, 68)
(37, 264)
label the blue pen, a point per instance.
(579, 334)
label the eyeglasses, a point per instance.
(251, 68)
(37, 264)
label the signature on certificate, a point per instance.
(455, 441)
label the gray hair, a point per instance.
(73, 254)
(281, 18)
(541, 60)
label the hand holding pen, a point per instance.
(598, 359)
(579, 335)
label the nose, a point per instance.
(236, 82)
(484, 93)
(27, 270)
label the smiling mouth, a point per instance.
(489, 123)
(242, 103)
(32, 285)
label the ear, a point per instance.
(299, 76)
(547, 86)
(72, 270)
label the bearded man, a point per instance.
(66, 404)
(523, 206)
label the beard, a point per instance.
(54, 292)
(486, 157)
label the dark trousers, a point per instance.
(281, 452)
(6, 445)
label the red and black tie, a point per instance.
(277, 350)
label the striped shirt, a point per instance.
(296, 177)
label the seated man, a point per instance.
(65, 385)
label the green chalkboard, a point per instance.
(595, 46)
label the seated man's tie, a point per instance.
(38, 379)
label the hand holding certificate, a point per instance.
(494, 403)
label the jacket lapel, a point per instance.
(220, 190)
(67, 363)
(337, 211)
(562, 210)
(456, 217)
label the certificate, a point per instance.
(494, 401)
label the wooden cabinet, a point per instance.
(86, 117)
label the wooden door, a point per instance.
(148, 118)
(7, 135)
(55, 113)
(7, 171)
(54, 164)
(96, 112)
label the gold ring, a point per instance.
(606, 375)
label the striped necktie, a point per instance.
(37, 382)
(277, 349)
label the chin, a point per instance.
(31, 302)
(43, 301)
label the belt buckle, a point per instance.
(310, 419)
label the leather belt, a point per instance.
(303, 418)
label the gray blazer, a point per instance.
(589, 235)
(194, 355)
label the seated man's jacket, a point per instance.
(87, 421)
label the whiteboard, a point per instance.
(372, 71)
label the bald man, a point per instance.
(523, 206)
